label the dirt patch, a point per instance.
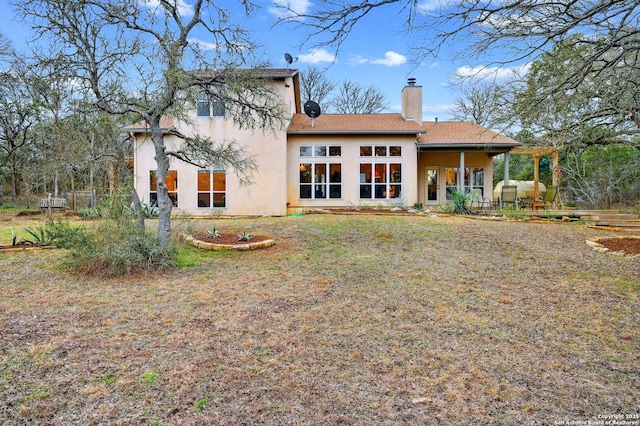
(627, 245)
(28, 213)
(229, 239)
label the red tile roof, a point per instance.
(461, 133)
(353, 124)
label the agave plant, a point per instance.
(245, 236)
(213, 233)
(15, 240)
(41, 236)
(460, 201)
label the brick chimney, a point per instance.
(412, 101)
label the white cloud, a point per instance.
(437, 109)
(358, 60)
(480, 72)
(316, 56)
(391, 59)
(428, 5)
(184, 9)
(289, 8)
(430, 112)
(203, 45)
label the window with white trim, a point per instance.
(208, 107)
(380, 180)
(473, 179)
(320, 176)
(380, 151)
(212, 188)
(171, 181)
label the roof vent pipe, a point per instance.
(411, 81)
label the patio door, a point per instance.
(432, 185)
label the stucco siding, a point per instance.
(266, 195)
(350, 161)
(452, 159)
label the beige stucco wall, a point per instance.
(350, 161)
(452, 159)
(266, 195)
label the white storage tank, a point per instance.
(525, 188)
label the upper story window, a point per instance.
(380, 151)
(320, 151)
(207, 107)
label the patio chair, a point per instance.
(508, 195)
(549, 197)
(477, 200)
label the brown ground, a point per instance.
(358, 320)
(627, 245)
(229, 237)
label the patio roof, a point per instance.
(455, 135)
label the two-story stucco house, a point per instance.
(332, 160)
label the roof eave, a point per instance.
(480, 146)
(354, 132)
(164, 130)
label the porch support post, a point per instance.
(555, 178)
(506, 169)
(536, 177)
(461, 174)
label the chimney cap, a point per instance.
(411, 81)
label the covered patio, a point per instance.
(537, 152)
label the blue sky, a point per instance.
(375, 54)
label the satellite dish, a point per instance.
(312, 109)
(290, 59)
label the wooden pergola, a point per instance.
(536, 152)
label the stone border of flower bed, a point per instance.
(26, 248)
(594, 243)
(213, 246)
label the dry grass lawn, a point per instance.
(347, 320)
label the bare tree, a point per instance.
(137, 58)
(351, 98)
(523, 27)
(7, 53)
(479, 103)
(355, 99)
(18, 114)
(315, 86)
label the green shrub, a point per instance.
(118, 247)
(149, 210)
(65, 235)
(91, 213)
